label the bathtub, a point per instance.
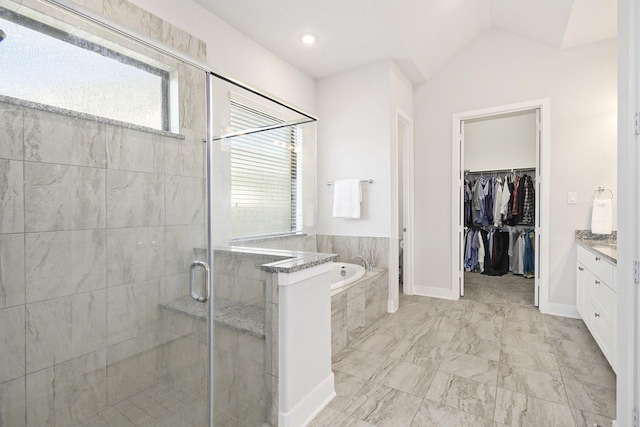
(352, 272)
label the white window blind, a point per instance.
(264, 175)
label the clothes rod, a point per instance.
(500, 170)
(369, 181)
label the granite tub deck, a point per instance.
(604, 245)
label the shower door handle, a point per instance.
(192, 285)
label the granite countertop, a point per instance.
(284, 261)
(299, 261)
(236, 315)
(603, 245)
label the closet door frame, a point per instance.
(542, 193)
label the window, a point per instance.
(265, 171)
(43, 64)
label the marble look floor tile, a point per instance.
(383, 406)
(534, 383)
(530, 358)
(347, 386)
(376, 343)
(390, 326)
(358, 363)
(587, 419)
(434, 414)
(591, 398)
(527, 341)
(329, 417)
(464, 394)
(588, 352)
(95, 421)
(487, 308)
(471, 367)
(403, 376)
(517, 409)
(425, 347)
(528, 326)
(589, 373)
(531, 314)
(467, 341)
(489, 329)
(569, 329)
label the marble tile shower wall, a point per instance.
(375, 249)
(97, 227)
(98, 221)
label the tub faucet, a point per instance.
(365, 262)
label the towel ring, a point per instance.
(602, 189)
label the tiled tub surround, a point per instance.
(357, 306)
(375, 249)
(302, 242)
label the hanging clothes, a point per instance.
(517, 259)
(529, 256)
(498, 263)
(497, 205)
(529, 202)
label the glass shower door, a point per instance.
(101, 219)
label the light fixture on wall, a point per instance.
(308, 39)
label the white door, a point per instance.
(538, 227)
(461, 211)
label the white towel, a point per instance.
(347, 195)
(602, 217)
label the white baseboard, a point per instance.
(563, 310)
(428, 291)
(309, 406)
(393, 305)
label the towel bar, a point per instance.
(370, 181)
(602, 189)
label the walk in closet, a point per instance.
(499, 207)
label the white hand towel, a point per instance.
(602, 217)
(347, 195)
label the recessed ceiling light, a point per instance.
(308, 38)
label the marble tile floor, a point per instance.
(490, 359)
(157, 406)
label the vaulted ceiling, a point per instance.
(420, 35)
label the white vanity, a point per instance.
(596, 293)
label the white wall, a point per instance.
(504, 142)
(498, 69)
(234, 55)
(353, 142)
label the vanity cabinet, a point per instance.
(596, 300)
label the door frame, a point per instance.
(542, 190)
(404, 134)
(628, 299)
(408, 187)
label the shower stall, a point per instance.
(140, 196)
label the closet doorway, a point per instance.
(494, 149)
